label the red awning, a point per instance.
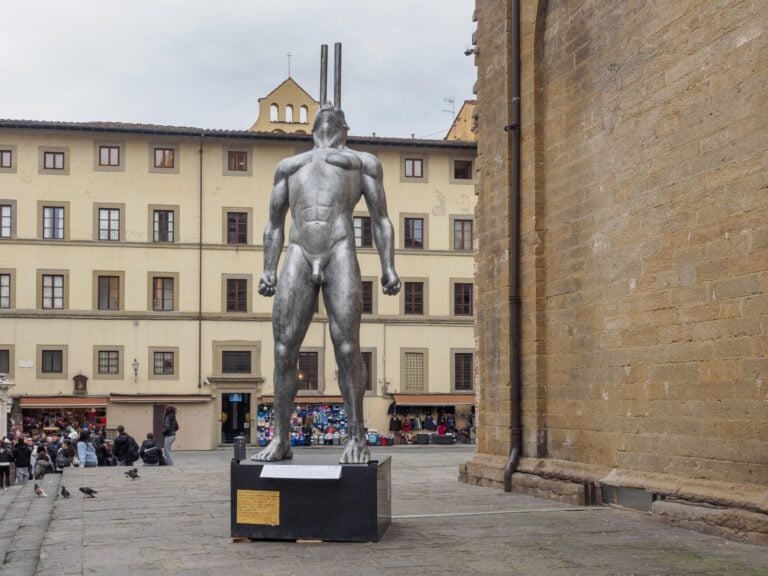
(158, 398)
(434, 399)
(62, 401)
(306, 400)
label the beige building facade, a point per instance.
(130, 255)
(641, 284)
(465, 123)
(287, 109)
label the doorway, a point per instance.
(235, 416)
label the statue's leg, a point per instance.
(291, 315)
(343, 299)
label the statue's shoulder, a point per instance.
(288, 166)
(371, 164)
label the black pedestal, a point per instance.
(311, 498)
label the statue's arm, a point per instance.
(383, 232)
(274, 233)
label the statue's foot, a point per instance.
(276, 450)
(356, 452)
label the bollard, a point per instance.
(239, 448)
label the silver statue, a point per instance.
(321, 187)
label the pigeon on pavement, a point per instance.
(40, 492)
(89, 492)
(64, 492)
(133, 474)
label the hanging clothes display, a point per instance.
(310, 424)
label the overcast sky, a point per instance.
(206, 64)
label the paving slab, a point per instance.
(175, 520)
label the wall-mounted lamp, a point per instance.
(135, 366)
(470, 51)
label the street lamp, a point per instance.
(135, 366)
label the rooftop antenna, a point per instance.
(289, 55)
(450, 100)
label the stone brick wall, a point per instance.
(644, 235)
(492, 253)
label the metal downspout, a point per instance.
(513, 209)
(200, 274)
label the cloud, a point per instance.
(205, 64)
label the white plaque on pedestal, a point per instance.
(309, 472)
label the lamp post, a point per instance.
(135, 366)
(5, 403)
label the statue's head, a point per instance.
(330, 125)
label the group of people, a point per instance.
(36, 455)
(30, 424)
(406, 426)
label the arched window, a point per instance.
(303, 115)
(289, 113)
(274, 113)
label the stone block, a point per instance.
(728, 522)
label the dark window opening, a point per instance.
(236, 362)
(414, 298)
(462, 299)
(462, 235)
(162, 294)
(237, 227)
(162, 226)
(109, 293)
(363, 234)
(308, 375)
(370, 376)
(237, 295)
(109, 362)
(367, 297)
(462, 370)
(52, 362)
(462, 169)
(237, 161)
(414, 233)
(163, 364)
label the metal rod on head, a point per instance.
(337, 75)
(323, 74)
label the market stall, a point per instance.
(433, 418)
(318, 420)
(48, 414)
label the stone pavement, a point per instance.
(175, 520)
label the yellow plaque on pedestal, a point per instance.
(258, 507)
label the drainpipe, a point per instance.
(513, 209)
(200, 273)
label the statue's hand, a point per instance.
(268, 284)
(390, 282)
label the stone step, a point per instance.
(23, 524)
